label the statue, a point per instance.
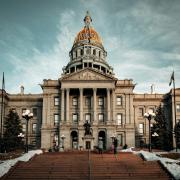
(87, 127)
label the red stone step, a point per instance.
(75, 165)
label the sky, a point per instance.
(141, 37)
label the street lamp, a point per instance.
(27, 116)
(63, 137)
(150, 115)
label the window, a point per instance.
(178, 107)
(34, 126)
(56, 101)
(23, 110)
(75, 118)
(35, 112)
(151, 110)
(141, 112)
(82, 52)
(101, 117)
(119, 119)
(88, 101)
(88, 117)
(141, 128)
(56, 119)
(24, 127)
(101, 101)
(94, 52)
(88, 51)
(119, 100)
(13, 109)
(75, 101)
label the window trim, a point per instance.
(75, 103)
(119, 103)
(100, 103)
(56, 121)
(177, 107)
(73, 115)
(141, 128)
(99, 119)
(34, 130)
(88, 101)
(120, 115)
(56, 101)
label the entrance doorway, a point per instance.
(88, 145)
(74, 139)
(102, 137)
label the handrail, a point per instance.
(89, 165)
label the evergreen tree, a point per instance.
(13, 128)
(161, 140)
(177, 134)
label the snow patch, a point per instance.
(170, 164)
(6, 165)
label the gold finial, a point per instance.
(87, 19)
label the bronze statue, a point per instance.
(87, 127)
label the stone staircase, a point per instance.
(87, 166)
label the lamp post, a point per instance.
(63, 137)
(150, 115)
(27, 116)
(21, 136)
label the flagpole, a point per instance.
(175, 109)
(2, 102)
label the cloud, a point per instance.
(31, 70)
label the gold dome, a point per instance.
(88, 34)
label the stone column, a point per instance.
(113, 106)
(62, 105)
(94, 106)
(81, 106)
(67, 106)
(108, 106)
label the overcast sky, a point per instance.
(141, 37)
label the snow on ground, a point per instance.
(170, 164)
(6, 165)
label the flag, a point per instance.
(3, 82)
(172, 78)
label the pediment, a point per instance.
(87, 74)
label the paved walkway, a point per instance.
(82, 165)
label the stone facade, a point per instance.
(89, 91)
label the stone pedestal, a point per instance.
(88, 142)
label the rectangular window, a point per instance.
(119, 100)
(141, 112)
(101, 101)
(178, 107)
(88, 117)
(119, 119)
(35, 112)
(34, 126)
(141, 128)
(24, 127)
(75, 101)
(151, 110)
(56, 101)
(88, 101)
(23, 110)
(75, 118)
(101, 117)
(56, 119)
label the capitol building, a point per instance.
(89, 91)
